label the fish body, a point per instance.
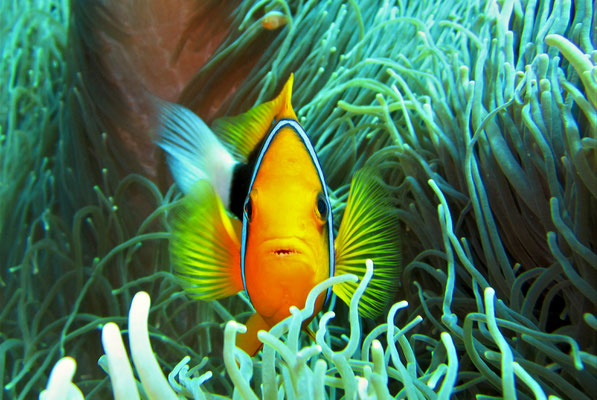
(286, 245)
(257, 215)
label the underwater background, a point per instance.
(481, 116)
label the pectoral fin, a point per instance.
(205, 246)
(310, 333)
(369, 229)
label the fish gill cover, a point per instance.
(482, 117)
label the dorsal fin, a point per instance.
(242, 133)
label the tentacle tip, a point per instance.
(141, 298)
(238, 327)
(109, 331)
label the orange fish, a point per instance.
(273, 20)
(257, 216)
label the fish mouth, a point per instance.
(287, 247)
(285, 252)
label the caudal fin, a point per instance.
(205, 246)
(369, 230)
(194, 152)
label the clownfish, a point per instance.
(273, 20)
(256, 216)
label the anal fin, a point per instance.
(248, 341)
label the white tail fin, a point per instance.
(194, 152)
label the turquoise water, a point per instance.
(481, 117)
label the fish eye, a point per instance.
(322, 206)
(248, 208)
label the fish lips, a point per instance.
(287, 247)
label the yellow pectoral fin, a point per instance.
(205, 247)
(369, 230)
(248, 341)
(310, 333)
(242, 133)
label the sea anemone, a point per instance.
(481, 117)
(287, 366)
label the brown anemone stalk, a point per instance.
(125, 52)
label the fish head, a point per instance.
(286, 225)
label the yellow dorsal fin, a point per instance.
(242, 133)
(369, 229)
(285, 110)
(205, 245)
